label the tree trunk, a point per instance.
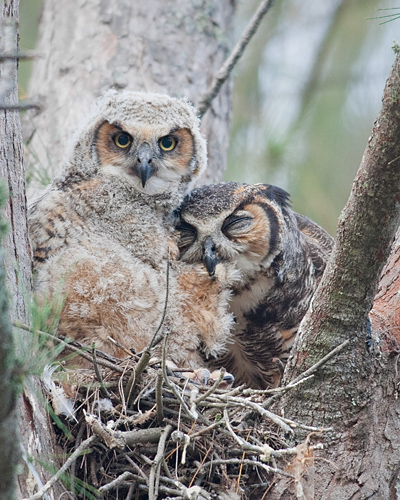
(385, 315)
(33, 420)
(10, 455)
(356, 392)
(174, 47)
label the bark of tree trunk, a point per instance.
(174, 47)
(356, 392)
(385, 315)
(10, 455)
(34, 425)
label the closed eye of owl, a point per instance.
(102, 237)
(281, 256)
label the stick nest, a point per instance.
(143, 432)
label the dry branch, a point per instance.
(77, 453)
(77, 348)
(226, 69)
(156, 339)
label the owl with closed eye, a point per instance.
(281, 256)
(102, 239)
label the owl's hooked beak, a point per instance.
(144, 168)
(210, 259)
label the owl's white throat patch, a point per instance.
(155, 185)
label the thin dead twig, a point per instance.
(265, 452)
(321, 362)
(21, 56)
(154, 477)
(224, 72)
(20, 106)
(102, 387)
(159, 398)
(262, 411)
(172, 386)
(137, 468)
(75, 455)
(114, 484)
(122, 347)
(214, 387)
(308, 372)
(119, 439)
(78, 350)
(245, 461)
(146, 354)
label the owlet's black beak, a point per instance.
(144, 168)
(210, 258)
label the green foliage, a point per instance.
(74, 484)
(306, 95)
(392, 17)
(81, 488)
(28, 27)
(34, 349)
(36, 171)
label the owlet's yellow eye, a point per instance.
(123, 140)
(167, 143)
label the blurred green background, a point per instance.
(306, 94)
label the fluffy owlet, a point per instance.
(101, 233)
(281, 256)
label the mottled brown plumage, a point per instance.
(101, 233)
(281, 256)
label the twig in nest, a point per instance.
(22, 56)
(222, 75)
(322, 361)
(119, 439)
(114, 484)
(214, 387)
(297, 425)
(103, 389)
(146, 354)
(241, 465)
(154, 477)
(75, 455)
(120, 346)
(172, 386)
(20, 106)
(252, 463)
(79, 350)
(137, 468)
(159, 401)
(265, 452)
(259, 409)
(205, 430)
(130, 491)
(200, 466)
(307, 373)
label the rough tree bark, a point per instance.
(356, 393)
(174, 46)
(33, 419)
(385, 315)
